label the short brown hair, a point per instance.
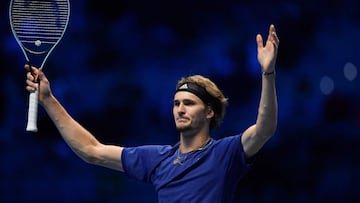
(220, 101)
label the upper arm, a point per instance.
(107, 156)
(253, 141)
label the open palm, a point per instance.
(267, 54)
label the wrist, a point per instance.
(268, 73)
(47, 100)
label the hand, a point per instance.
(267, 54)
(43, 86)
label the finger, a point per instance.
(272, 37)
(30, 89)
(35, 72)
(27, 67)
(41, 75)
(275, 40)
(272, 33)
(30, 77)
(271, 30)
(259, 41)
(32, 69)
(31, 86)
(30, 80)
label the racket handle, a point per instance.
(33, 111)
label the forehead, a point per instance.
(184, 95)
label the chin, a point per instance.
(182, 128)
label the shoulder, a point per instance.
(230, 150)
(230, 140)
(139, 162)
(229, 144)
(147, 150)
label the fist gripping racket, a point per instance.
(38, 26)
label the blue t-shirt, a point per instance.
(208, 175)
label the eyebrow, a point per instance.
(184, 100)
(188, 101)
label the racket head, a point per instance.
(38, 26)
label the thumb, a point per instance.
(33, 70)
(41, 75)
(259, 41)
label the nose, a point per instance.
(181, 109)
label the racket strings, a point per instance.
(39, 21)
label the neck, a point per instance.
(191, 143)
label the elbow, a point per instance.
(266, 123)
(93, 155)
(271, 129)
(267, 130)
(88, 159)
(88, 155)
(268, 133)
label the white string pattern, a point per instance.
(39, 21)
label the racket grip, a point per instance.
(33, 111)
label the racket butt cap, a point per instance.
(31, 128)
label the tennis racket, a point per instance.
(38, 26)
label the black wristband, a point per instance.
(269, 73)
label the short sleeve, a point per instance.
(139, 162)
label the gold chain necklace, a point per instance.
(181, 159)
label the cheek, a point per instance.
(198, 116)
(174, 111)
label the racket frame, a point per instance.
(31, 125)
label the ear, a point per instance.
(210, 112)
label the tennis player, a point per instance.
(198, 168)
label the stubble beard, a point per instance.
(187, 128)
(184, 128)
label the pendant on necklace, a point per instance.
(176, 161)
(179, 160)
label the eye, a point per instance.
(176, 103)
(189, 102)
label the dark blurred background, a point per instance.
(116, 69)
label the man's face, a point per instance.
(190, 113)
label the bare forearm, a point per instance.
(258, 134)
(81, 141)
(77, 137)
(267, 114)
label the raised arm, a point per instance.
(81, 141)
(258, 134)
